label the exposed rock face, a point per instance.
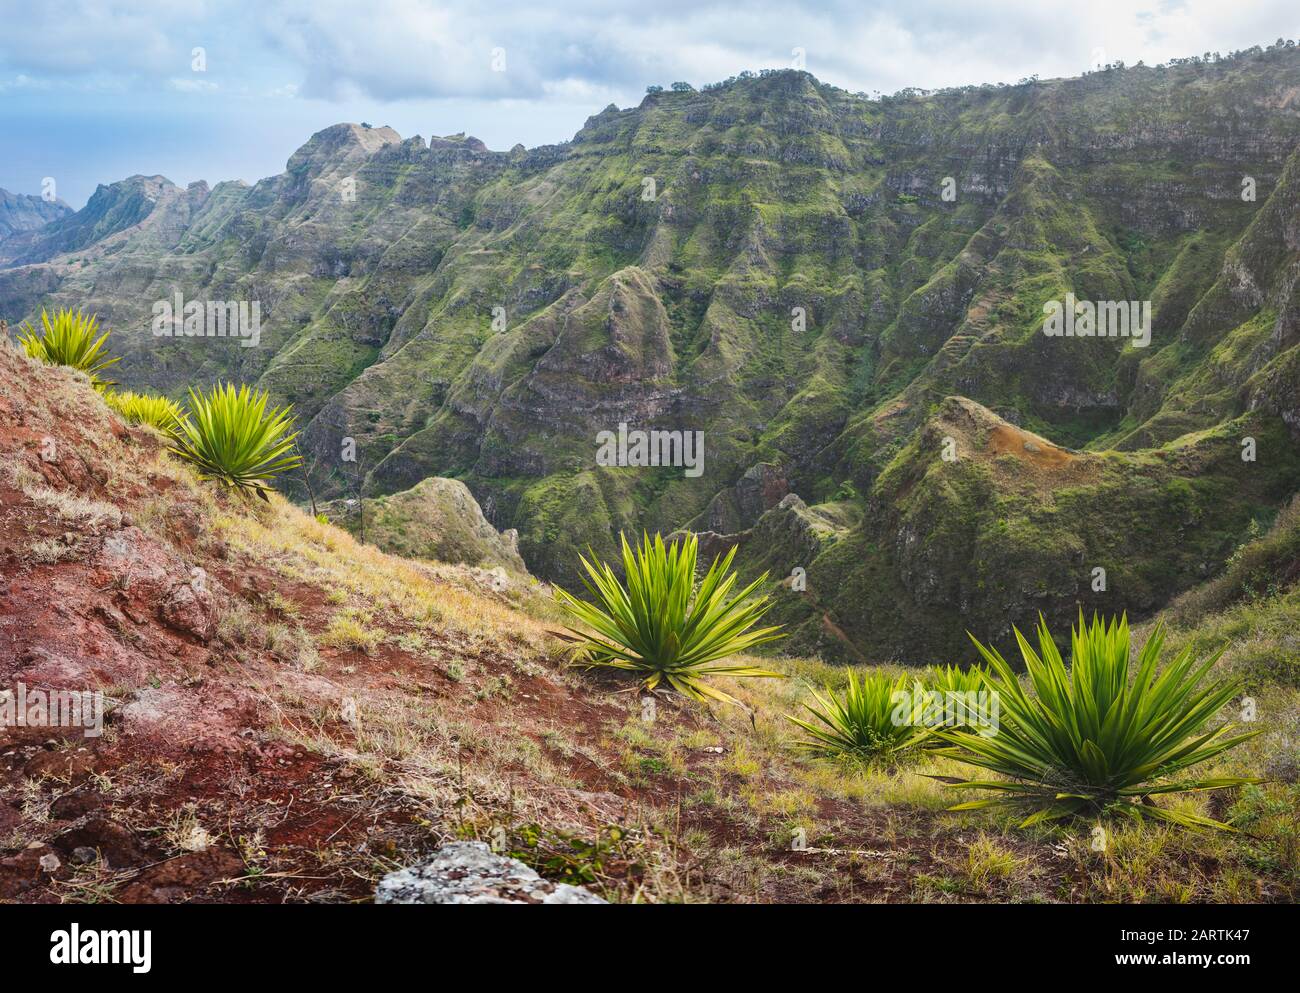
(21, 212)
(188, 608)
(468, 872)
(142, 568)
(760, 489)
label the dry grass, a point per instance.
(393, 590)
(71, 507)
(349, 630)
(47, 551)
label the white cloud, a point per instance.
(389, 50)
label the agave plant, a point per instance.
(1098, 737)
(872, 720)
(954, 679)
(228, 435)
(69, 339)
(141, 408)
(955, 690)
(662, 624)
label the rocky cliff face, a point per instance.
(799, 273)
(20, 213)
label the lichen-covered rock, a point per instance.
(469, 872)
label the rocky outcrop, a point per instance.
(760, 489)
(468, 872)
(436, 519)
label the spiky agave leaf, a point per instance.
(661, 625)
(954, 679)
(228, 435)
(142, 408)
(1097, 736)
(872, 719)
(69, 339)
(945, 682)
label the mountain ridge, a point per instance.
(21, 212)
(769, 195)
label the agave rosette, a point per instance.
(663, 626)
(1099, 736)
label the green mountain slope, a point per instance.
(774, 262)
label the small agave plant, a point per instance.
(662, 625)
(69, 338)
(142, 408)
(228, 435)
(1099, 735)
(960, 693)
(873, 720)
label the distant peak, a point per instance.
(369, 138)
(344, 142)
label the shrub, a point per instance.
(664, 626)
(867, 721)
(69, 339)
(1095, 738)
(141, 408)
(228, 435)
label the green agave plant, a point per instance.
(663, 625)
(69, 339)
(952, 681)
(872, 720)
(141, 408)
(1098, 737)
(228, 435)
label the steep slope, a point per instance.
(289, 715)
(979, 519)
(146, 212)
(772, 262)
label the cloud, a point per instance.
(390, 50)
(23, 82)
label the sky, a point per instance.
(92, 91)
